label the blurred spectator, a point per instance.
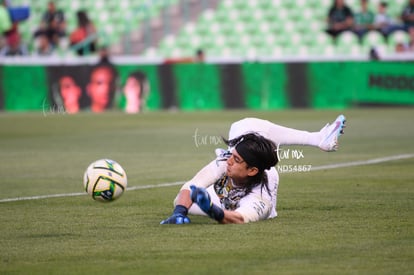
(53, 24)
(411, 39)
(363, 19)
(84, 36)
(340, 18)
(383, 22)
(400, 47)
(5, 23)
(13, 45)
(373, 54)
(43, 46)
(199, 57)
(407, 15)
(104, 56)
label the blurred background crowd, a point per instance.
(175, 28)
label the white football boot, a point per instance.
(330, 134)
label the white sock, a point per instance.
(288, 136)
(280, 135)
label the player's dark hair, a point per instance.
(258, 152)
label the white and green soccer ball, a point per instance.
(105, 180)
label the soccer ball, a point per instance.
(105, 180)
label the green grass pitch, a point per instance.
(357, 219)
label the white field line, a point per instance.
(316, 168)
(84, 193)
(362, 162)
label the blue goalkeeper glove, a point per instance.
(179, 216)
(201, 197)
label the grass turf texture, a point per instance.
(353, 220)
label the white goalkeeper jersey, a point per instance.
(258, 204)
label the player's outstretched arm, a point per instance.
(232, 217)
(179, 215)
(201, 197)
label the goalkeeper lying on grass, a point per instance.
(242, 181)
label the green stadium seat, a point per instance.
(328, 50)
(322, 39)
(347, 38)
(398, 37)
(276, 51)
(396, 7)
(315, 4)
(373, 39)
(354, 4)
(349, 50)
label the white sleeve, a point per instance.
(208, 175)
(254, 208)
(261, 204)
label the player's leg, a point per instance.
(326, 139)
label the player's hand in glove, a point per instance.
(201, 197)
(179, 216)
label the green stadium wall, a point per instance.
(250, 85)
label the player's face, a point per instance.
(70, 94)
(99, 87)
(237, 168)
(132, 88)
(132, 91)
